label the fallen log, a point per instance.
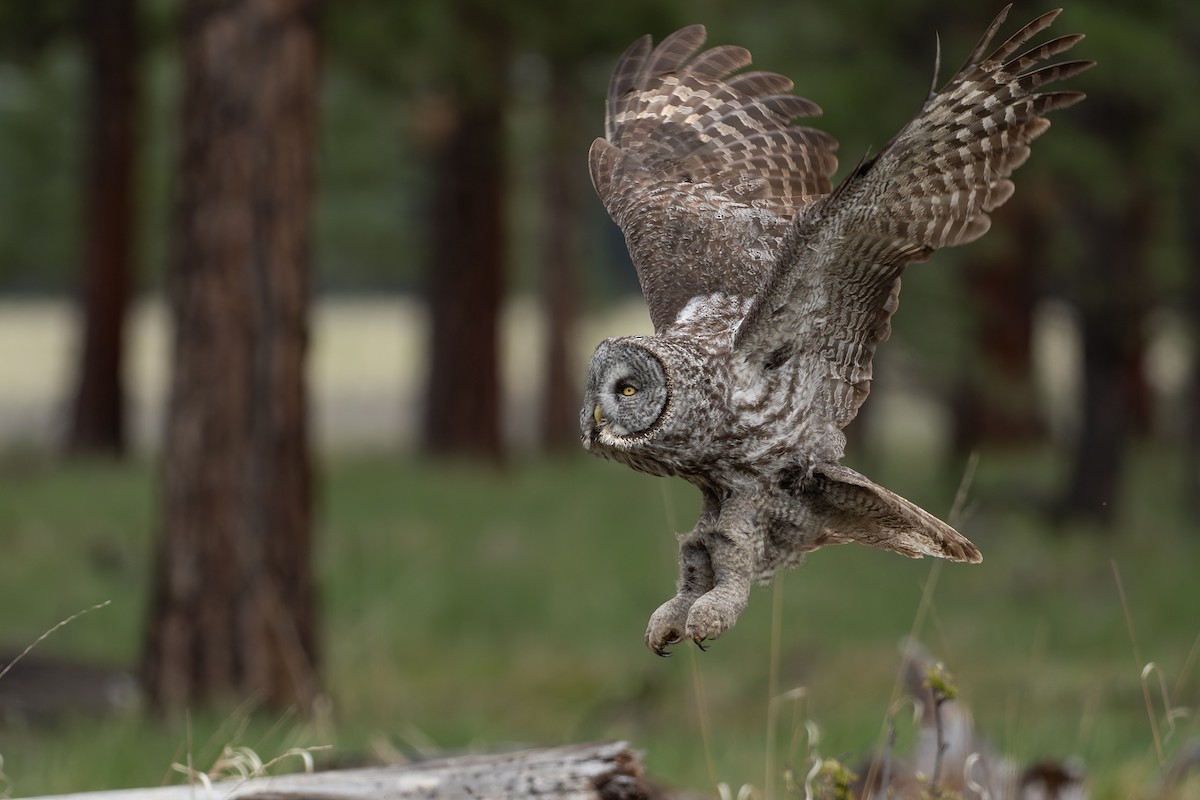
(604, 771)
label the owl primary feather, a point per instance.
(769, 290)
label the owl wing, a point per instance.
(858, 509)
(836, 282)
(702, 171)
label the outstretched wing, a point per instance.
(860, 510)
(703, 171)
(837, 281)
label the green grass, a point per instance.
(473, 609)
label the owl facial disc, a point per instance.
(627, 390)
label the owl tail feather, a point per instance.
(863, 511)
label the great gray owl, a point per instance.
(769, 291)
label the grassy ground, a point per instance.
(465, 608)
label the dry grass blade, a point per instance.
(1170, 713)
(773, 684)
(959, 506)
(1186, 669)
(49, 633)
(981, 789)
(957, 509)
(702, 712)
(794, 696)
(1137, 657)
(243, 763)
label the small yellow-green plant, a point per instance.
(832, 780)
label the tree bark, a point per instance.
(1112, 304)
(600, 771)
(469, 253)
(1191, 432)
(995, 402)
(1187, 29)
(97, 423)
(233, 609)
(560, 264)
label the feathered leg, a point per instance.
(668, 624)
(735, 549)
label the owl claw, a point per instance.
(662, 648)
(715, 612)
(700, 643)
(667, 625)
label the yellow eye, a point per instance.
(628, 390)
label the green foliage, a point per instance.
(464, 607)
(833, 781)
(940, 683)
(369, 213)
(40, 175)
(27, 30)
(386, 64)
(940, 794)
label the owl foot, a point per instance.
(696, 619)
(713, 614)
(667, 625)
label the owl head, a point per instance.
(628, 396)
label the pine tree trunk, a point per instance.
(469, 252)
(560, 265)
(1191, 432)
(97, 422)
(1111, 304)
(1186, 24)
(995, 402)
(233, 609)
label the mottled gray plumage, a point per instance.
(769, 291)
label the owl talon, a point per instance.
(667, 625)
(661, 648)
(700, 644)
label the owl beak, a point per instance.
(596, 415)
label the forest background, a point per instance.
(300, 295)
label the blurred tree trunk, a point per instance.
(560, 262)
(1191, 444)
(97, 422)
(232, 612)
(1112, 305)
(995, 402)
(1187, 29)
(469, 252)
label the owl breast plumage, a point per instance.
(770, 289)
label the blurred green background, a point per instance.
(489, 594)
